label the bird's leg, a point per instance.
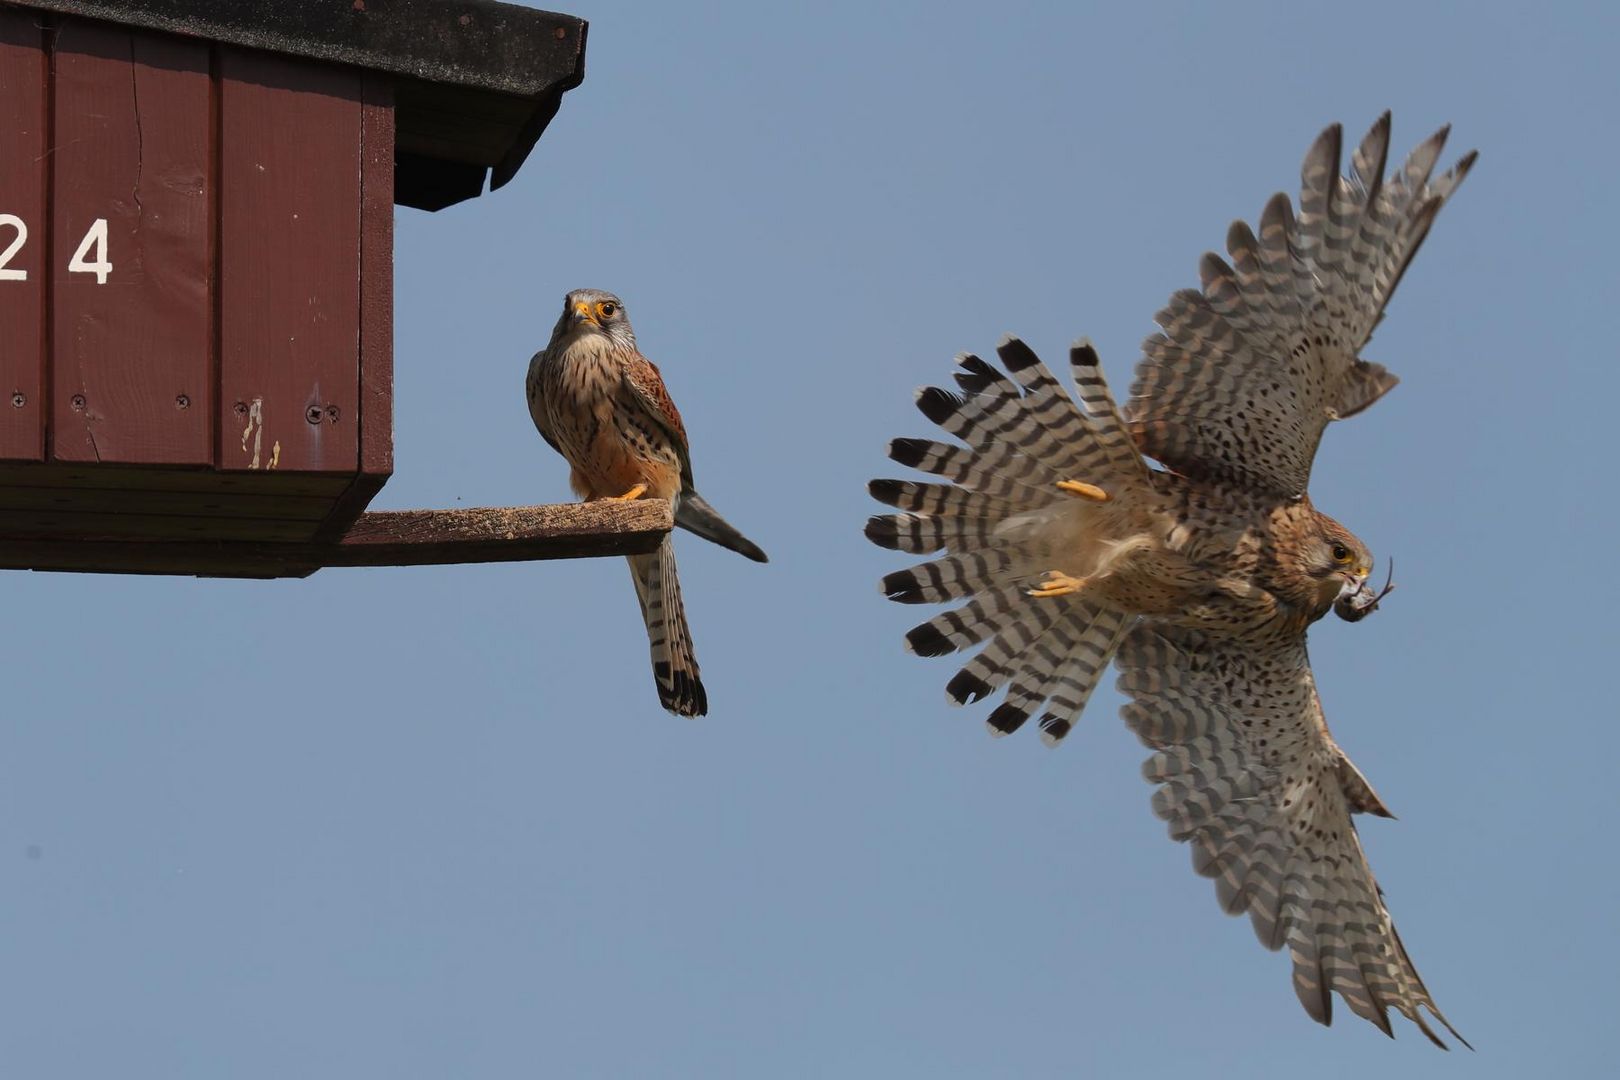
(1057, 583)
(634, 493)
(1084, 490)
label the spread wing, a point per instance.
(1249, 776)
(1247, 372)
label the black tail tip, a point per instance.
(681, 692)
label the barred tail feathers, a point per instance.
(1000, 522)
(674, 663)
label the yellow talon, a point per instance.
(634, 493)
(1057, 583)
(1084, 490)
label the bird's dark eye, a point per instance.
(606, 310)
(1341, 553)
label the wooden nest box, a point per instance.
(196, 275)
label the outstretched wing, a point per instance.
(1247, 372)
(1249, 776)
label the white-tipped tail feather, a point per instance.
(1003, 522)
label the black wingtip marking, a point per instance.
(1007, 718)
(909, 452)
(966, 688)
(937, 404)
(1084, 354)
(1015, 354)
(976, 375)
(928, 640)
(885, 491)
(882, 531)
(902, 587)
(1055, 728)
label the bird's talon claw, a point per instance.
(1084, 490)
(634, 493)
(1057, 583)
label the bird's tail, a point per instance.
(1042, 484)
(693, 512)
(675, 668)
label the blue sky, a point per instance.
(432, 822)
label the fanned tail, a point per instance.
(999, 520)
(675, 668)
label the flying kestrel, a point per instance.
(604, 407)
(1199, 579)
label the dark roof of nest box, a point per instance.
(477, 80)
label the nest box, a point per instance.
(196, 274)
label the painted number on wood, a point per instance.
(94, 244)
(96, 240)
(14, 222)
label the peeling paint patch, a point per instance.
(255, 431)
(275, 456)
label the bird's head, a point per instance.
(1338, 562)
(593, 311)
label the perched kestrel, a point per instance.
(1200, 579)
(604, 407)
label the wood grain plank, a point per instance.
(148, 478)
(289, 248)
(399, 538)
(22, 196)
(376, 412)
(130, 366)
(67, 527)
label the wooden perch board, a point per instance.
(383, 538)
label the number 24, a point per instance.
(94, 244)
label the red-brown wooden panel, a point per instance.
(376, 418)
(131, 366)
(22, 236)
(377, 278)
(290, 263)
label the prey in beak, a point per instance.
(1356, 600)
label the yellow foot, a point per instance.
(634, 493)
(1085, 491)
(1057, 583)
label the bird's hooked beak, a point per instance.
(1355, 581)
(584, 313)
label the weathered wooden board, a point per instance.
(131, 327)
(22, 236)
(397, 538)
(290, 143)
